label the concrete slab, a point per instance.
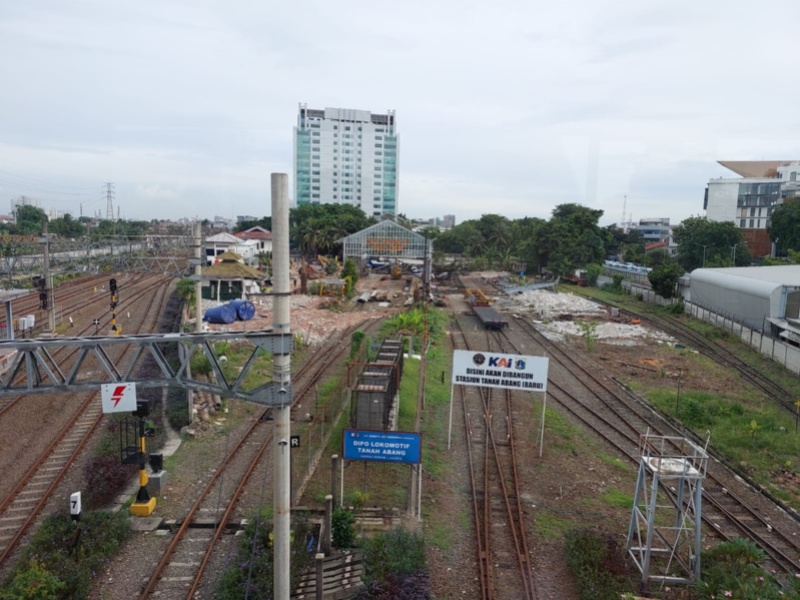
(145, 523)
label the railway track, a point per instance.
(619, 419)
(500, 521)
(19, 510)
(182, 567)
(68, 296)
(139, 288)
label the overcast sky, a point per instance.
(502, 107)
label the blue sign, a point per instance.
(383, 446)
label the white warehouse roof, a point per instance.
(750, 295)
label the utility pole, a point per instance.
(47, 299)
(198, 303)
(281, 374)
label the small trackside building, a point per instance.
(765, 299)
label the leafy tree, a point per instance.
(185, 289)
(30, 219)
(316, 228)
(265, 222)
(698, 237)
(784, 229)
(593, 273)
(430, 232)
(655, 258)
(121, 228)
(634, 253)
(615, 239)
(402, 220)
(664, 278)
(66, 226)
(458, 239)
(570, 240)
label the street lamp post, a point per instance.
(704, 254)
(734, 252)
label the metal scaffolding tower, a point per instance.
(664, 535)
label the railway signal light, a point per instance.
(43, 300)
(112, 285)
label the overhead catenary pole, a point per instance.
(198, 303)
(281, 462)
(48, 300)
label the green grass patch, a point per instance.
(558, 432)
(753, 434)
(440, 536)
(549, 526)
(618, 498)
(615, 462)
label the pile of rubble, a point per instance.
(550, 305)
(557, 315)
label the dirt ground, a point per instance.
(314, 318)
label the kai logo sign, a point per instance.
(118, 397)
(499, 362)
(484, 369)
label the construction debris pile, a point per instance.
(558, 315)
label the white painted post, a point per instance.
(450, 423)
(541, 435)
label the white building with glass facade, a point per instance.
(748, 201)
(346, 156)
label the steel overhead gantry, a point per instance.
(35, 370)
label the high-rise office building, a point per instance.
(346, 156)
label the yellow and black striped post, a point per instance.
(144, 505)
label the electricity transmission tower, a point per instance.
(109, 201)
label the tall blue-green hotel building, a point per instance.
(346, 156)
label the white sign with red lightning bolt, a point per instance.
(118, 397)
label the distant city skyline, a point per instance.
(510, 108)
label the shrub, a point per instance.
(33, 583)
(105, 477)
(343, 528)
(250, 573)
(693, 413)
(177, 408)
(356, 339)
(598, 563)
(676, 308)
(72, 553)
(394, 554)
(733, 569)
